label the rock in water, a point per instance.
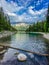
(21, 57)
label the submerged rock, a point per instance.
(2, 50)
(21, 57)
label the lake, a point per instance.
(31, 42)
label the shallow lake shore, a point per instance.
(45, 35)
(6, 33)
(31, 59)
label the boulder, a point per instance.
(21, 57)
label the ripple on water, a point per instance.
(28, 42)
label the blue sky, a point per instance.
(25, 10)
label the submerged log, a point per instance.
(6, 45)
(2, 52)
(1, 48)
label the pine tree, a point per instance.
(47, 20)
(4, 21)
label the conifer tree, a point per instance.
(47, 20)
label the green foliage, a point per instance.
(48, 29)
(40, 26)
(45, 26)
(4, 21)
(47, 20)
(36, 27)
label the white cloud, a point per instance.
(32, 12)
(24, 2)
(12, 7)
(0, 5)
(20, 18)
(31, 7)
(37, 15)
(28, 18)
(13, 3)
(11, 14)
(31, 16)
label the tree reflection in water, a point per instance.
(2, 52)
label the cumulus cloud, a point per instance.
(37, 15)
(32, 12)
(11, 14)
(12, 7)
(28, 16)
(24, 2)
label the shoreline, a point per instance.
(45, 35)
(14, 60)
(6, 34)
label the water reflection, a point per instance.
(6, 39)
(1, 57)
(2, 52)
(29, 42)
(32, 42)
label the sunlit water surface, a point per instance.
(31, 42)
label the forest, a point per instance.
(5, 21)
(42, 26)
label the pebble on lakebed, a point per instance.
(21, 57)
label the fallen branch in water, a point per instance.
(24, 50)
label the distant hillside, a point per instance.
(21, 26)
